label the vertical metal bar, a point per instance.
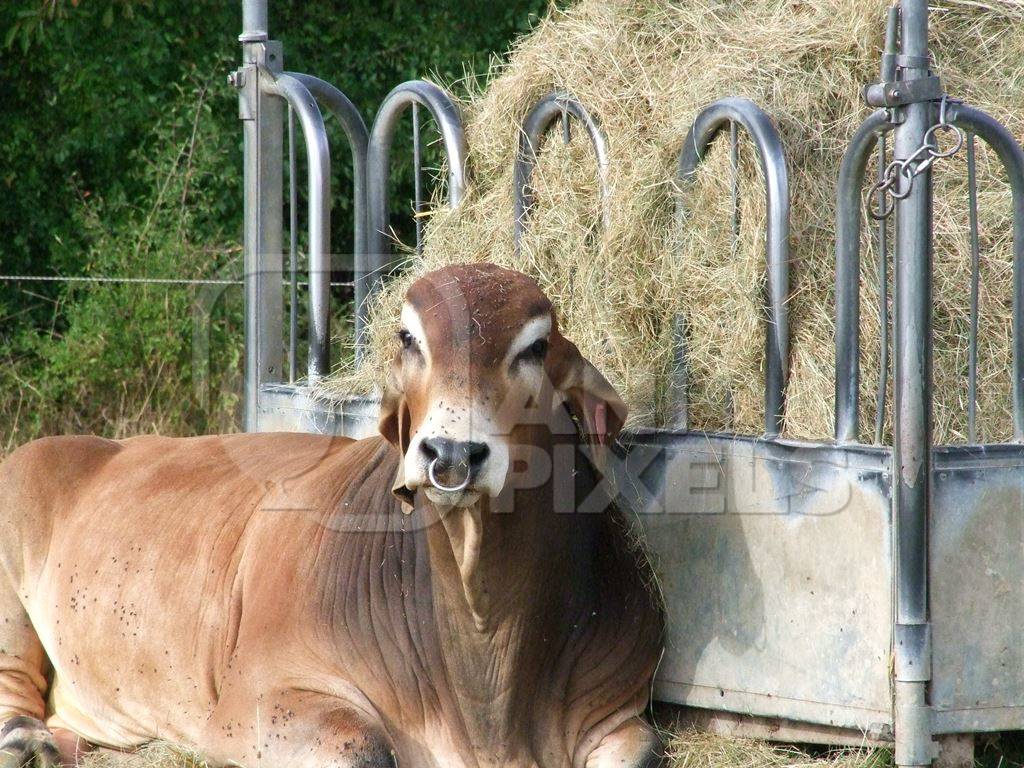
(883, 300)
(849, 203)
(538, 121)
(912, 442)
(355, 130)
(771, 156)
(379, 259)
(263, 125)
(254, 21)
(417, 164)
(972, 339)
(734, 162)
(734, 172)
(913, 336)
(679, 403)
(1011, 156)
(887, 71)
(318, 157)
(293, 251)
(892, 28)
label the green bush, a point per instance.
(118, 357)
(121, 155)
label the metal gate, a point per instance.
(835, 591)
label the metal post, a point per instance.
(254, 21)
(888, 74)
(913, 410)
(293, 252)
(263, 124)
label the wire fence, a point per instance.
(145, 280)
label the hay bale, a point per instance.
(645, 69)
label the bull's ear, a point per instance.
(393, 423)
(596, 406)
(394, 426)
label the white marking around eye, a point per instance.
(412, 323)
(533, 329)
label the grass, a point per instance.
(687, 748)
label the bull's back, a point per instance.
(128, 557)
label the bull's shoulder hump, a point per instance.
(260, 457)
(42, 473)
(62, 453)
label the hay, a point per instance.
(689, 748)
(155, 755)
(645, 67)
(686, 748)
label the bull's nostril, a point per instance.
(428, 450)
(439, 449)
(477, 453)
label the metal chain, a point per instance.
(900, 172)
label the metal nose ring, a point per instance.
(447, 489)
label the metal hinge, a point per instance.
(899, 93)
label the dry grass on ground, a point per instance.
(156, 755)
(698, 749)
(687, 749)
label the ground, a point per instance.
(688, 749)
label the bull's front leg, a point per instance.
(634, 744)
(298, 729)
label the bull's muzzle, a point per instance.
(452, 465)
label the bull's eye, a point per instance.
(405, 338)
(538, 349)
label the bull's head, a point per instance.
(480, 373)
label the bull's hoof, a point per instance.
(27, 743)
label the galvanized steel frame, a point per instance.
(552, 107)
(734, 112)
(912, 449)
(380, 260)
(264, 90)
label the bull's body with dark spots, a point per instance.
(428, 597)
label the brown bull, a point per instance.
(300, 600)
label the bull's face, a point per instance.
(480, 378)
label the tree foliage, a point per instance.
(121, 154)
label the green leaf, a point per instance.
(108, 17)
(11, 34)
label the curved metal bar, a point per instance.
(539, 120)
(292, 90)
(358, 139)
(449, 122)
(1012, 157)
(771, 155)
(849, 188)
